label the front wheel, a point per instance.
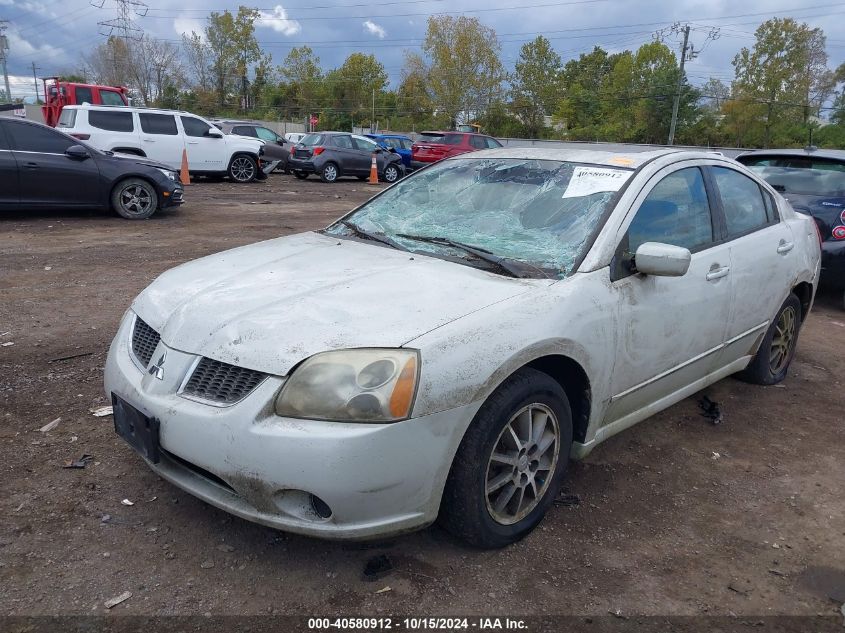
(134, 199)
(511, 463)
(243, 168)
(391, 174)
(771, 363)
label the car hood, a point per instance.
(138, 160)
(270, 305)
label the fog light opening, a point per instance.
(320, 507)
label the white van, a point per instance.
(161, 135)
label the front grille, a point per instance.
(220, 382)
(144, 341)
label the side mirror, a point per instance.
(662, 260)
(77, 152)
(214, 133)
(392, 150)
(378, 150)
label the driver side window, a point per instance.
(675, 212)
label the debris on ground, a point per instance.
(710, 409)
(223, 547)
(82, 462)
(113, 602)
(384, 589)
(50, 425)
(737, 590)
(207, 564)
(61, 358)
(377, 567)
(567, 499)
(6, 344)
(715, 455)
(101, 412)
(127, 502)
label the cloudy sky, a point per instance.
(55, 34)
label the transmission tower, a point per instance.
(123, 26)
(4, 46)
(688, 53)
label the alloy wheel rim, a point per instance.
(135, 199)
(242, 169)
(522, 464)
(783, 340)
(390, 174)
(330, 172)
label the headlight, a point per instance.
(169, 174)
(357, 385)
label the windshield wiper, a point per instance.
(500, 262)
(375, 237)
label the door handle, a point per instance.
(784, 247)
(149, 140)
(717, 272)
(193, 142)
(31, 165)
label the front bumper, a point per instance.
(833, 263)
(171, 195)
(377, 479)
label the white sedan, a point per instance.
(446, 348)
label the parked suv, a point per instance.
(402, 144)
(335, 154)
(162, 135)
(434, 146)
(276, 148)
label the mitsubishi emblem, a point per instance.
(157, 368)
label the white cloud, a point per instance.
(184, 26)
(278, 20)
(374, 29)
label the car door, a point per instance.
(46, 175)
(161, 139)
(671, 329)
(205, 153)
(9, 191)
(365, 148)
(350, 158)
(762, 257)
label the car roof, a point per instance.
(629, 160)
(99, 106)
(835, 154)
(453, 132)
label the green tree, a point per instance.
(233, 49)
(356, 88)
(301, 70)
(536, 85)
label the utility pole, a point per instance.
(35, 82)
(373, 120)
(4, 46)
(677, 101)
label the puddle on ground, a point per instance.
(824, 582)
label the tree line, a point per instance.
(783, 92)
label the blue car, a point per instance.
(402, 145)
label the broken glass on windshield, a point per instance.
(538, 212)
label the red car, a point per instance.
(434, 146)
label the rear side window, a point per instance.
(742, 200)
(453, 139)
(84, 95)
(112, 121)
(158, 124)
(492, 143)
(110, 97)
(675, 212)
(477, 142)
(67, 118)
(194, 127)
(26, 137)
(243, 130)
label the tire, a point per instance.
(329, 173)
(391, 174)
(300, 174)
(466, 509)
(770, 365)
(134, 199)
(242, 168)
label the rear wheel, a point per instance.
(329, 173)
(771, 363)
(134, 199)
(511, 463)
(243, 168)
(300, 174)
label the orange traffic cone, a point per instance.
(184, 176)
(373, 171)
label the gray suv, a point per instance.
(276, 148)
(331, 155)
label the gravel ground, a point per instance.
(676, 516)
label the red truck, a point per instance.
(58, 94)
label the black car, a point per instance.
(331, 155)
(813, 180)
(41, 168)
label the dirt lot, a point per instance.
(676, 516)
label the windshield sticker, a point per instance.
(586, 181)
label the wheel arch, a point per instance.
(804, 292)
(134, 151)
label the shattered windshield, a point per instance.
(538, 213)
